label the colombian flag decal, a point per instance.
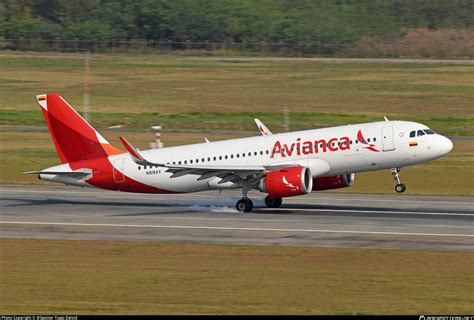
(413, 144)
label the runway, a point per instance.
(318, 219)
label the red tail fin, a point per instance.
(73, 137)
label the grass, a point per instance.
(234, 121)
(174, 86)
(115, 277)
(450, 175)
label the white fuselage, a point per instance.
(387, 145)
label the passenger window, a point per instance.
(420, 133)
(190, 161)
(185, 161)
(220, 157)
(368, 140)
(267, 152)
(226, 157)
(139, 167)
(255, 153)
(375, 139)
(214, 158)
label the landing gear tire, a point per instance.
(400, 188)
(244, 205)
(273, 202)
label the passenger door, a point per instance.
(388, 143)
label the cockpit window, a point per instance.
(420, 133)
(412, 134)
(428, 131)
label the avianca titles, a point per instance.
(280, 165)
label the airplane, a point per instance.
(279, 164)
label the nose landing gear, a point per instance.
(399, 187)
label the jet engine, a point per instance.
(334, 182)
(287, 182)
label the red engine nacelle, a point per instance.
(287, 182)
(335, 182)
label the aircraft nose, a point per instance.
(443, 145)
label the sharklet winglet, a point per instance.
(134, 153)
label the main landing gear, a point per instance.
(273, 202)
(244, 204)
(399, 187)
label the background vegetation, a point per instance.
(423, 27)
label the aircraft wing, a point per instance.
(262, 128)
(232, 173)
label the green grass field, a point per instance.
(139, 91)
(107, 277)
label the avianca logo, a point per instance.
(370, 146)
(262, 131)
(288, 184)
(309, 147)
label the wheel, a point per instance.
(244, 205)
(273, 202)
(250, 202)
(400, 188)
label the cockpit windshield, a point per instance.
(419, 133)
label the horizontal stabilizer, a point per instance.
(62, 173)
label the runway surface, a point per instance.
(318, 219)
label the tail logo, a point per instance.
(263, 131)
(361, 139)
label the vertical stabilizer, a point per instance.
(73, 137)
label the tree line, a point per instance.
(287, 21)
